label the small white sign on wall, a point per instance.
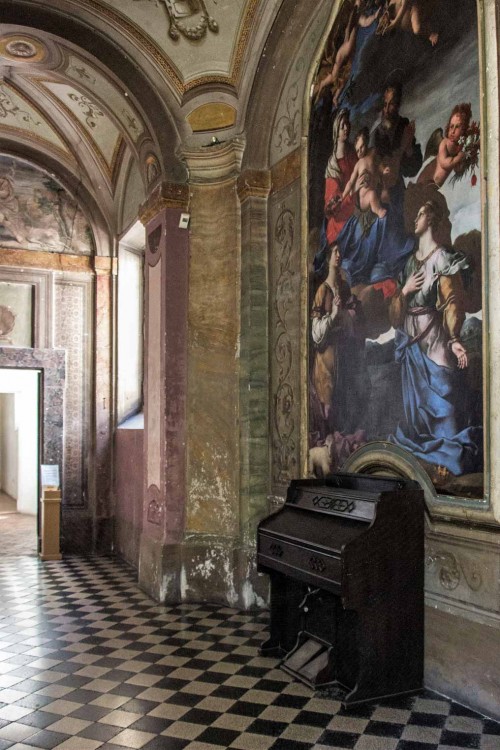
(50, 475)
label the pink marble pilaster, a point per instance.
(166, 295)
(103, 388)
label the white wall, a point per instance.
(130, 331)
(19, 437)
(9, 440)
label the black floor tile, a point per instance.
(218, 736)
(384, 729)
(46, 739)
(461, 739)
(338, 739)
(81, 588)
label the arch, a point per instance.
(279, 54)
(380, 458)
(137, 75)
(80, 192)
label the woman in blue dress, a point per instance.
(428, 313)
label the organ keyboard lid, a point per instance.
(352, 496)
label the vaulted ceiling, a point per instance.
(112, 90)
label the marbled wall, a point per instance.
(214, 322)
(72, 327)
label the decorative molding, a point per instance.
(254, 183)
(43, 287)
(451, 570)
(195, 32)
(22, 48)
(284, 445)
(152, 50)
(215, 164)
(117, 160)
(166, 195)
(104, 265)
(50, 261)
(286, 171)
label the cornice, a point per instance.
(286, 171)
(214, 164)
(19, 258)
(254, 183)
(166, 195)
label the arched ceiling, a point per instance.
(59, 100)
(113, 90)
(193, 52)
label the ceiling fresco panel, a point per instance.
(18, 115)
(88, 77)
(89, 112)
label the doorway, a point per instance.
(19, 459)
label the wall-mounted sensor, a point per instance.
(184, 221)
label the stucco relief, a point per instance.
(189, 18)
(451, 570)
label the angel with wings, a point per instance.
(448, 148)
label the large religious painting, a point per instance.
(395, 286)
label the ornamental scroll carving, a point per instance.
(189, 18)
(284, 444)
(287, 132)
(451, 570)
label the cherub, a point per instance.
(345, 52)
(366, 176)
(410, 15)
(450, 156)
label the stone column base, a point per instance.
(206, 570)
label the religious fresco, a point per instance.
(37, 213)
(395, 275)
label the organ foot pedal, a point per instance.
(311, 662)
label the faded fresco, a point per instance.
(37, 213)
(16, 314)
(395, 239)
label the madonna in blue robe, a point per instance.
(375, 249)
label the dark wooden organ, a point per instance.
(345, 556)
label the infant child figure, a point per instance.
(366, 176)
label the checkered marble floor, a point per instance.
(88, 661)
